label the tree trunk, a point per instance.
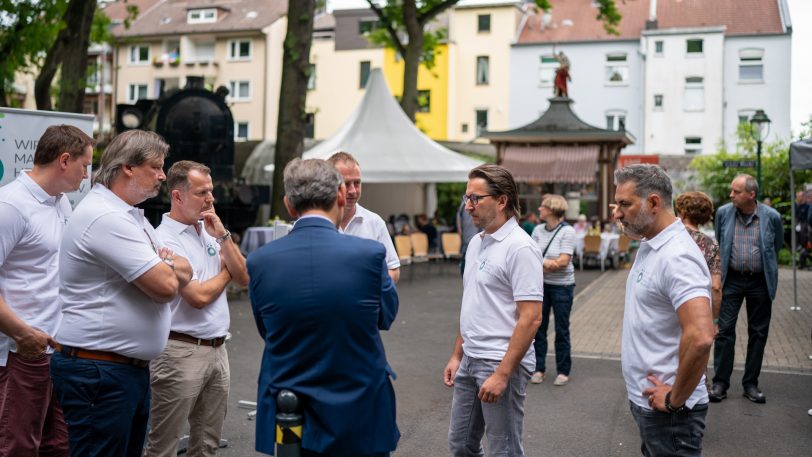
(69, 51)
(73, 79)
(411, 61)
(42, 85)
(290, 129)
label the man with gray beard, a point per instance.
(667, 328)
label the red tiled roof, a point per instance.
(117, 11)
(169, 17)
(738, 16)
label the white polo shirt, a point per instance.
(107, 245)
(366, 224)
(30, 233)
(668, 271)
(500, 270)
(203, 253)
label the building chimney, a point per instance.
(651, 23)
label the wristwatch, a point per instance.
(223, 238)
(671, 408)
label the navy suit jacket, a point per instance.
(319, 299)
(771, 239)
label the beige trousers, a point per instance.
(188, 382)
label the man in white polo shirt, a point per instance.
(34, 211)
(190, 379)
(115, 285)
(493, 355)
(359, 221)
(667, 327)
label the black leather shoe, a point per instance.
(754, 394)
(717, 393)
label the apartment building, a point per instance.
(236, 44)
(680, 75)
(480, 36)
(341, 60)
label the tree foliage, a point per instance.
(27, 30)
(714, 179)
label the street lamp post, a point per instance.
(761, 128)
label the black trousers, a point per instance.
(751, 289)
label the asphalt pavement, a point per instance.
(589, 416)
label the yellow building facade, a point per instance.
(432, 86)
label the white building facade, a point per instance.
(680, 81)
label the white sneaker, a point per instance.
(561, 380)
(537, 378)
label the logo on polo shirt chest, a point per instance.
(210, 250)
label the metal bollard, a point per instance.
(288, 425)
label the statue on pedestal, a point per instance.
(562, 75)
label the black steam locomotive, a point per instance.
(198, 125)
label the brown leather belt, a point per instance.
(101, 356)
(214, 342)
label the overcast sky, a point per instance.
(801, 16)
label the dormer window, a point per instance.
(202, 16)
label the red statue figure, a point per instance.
(562, 75)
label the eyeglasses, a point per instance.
(474, 198)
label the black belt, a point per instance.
(746, 273)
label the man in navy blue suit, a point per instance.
(319, 299)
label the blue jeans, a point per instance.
(502, 421)
(671, 435)
(559, 298)
(106, 405)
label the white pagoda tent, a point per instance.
(399, 164)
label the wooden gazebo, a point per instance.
(559, 147)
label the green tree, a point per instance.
(68, 53)
(714, 178)
(403, 28)
(27, 30)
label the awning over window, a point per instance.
(545, 163)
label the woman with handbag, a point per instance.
(556, 239)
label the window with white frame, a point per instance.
(139, 54)
(239, 91)
(483, 23)
(693, 98)
(616, 120)
(241, 131)
(364, 69)
(658, 102)
(694, 46)
(744, 115)
(239, 50)
(617, 68)
(547, 68)
(481, 121)
(693, 145)
(482, 70)
(658, 48)
(751, 65)
(311, 76)
(202, 16)
(203, 51)
(136, 92)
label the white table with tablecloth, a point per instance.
(609, 244)
(256, 237)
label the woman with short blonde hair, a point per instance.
(556, 239)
